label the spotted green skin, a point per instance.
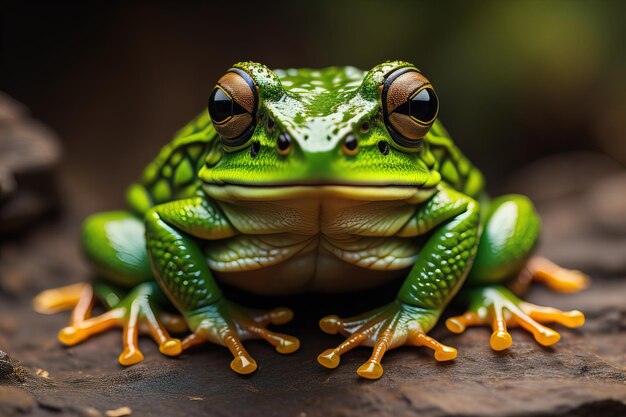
(174, 214)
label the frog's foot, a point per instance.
(227, 324)
(499, 308)
(79, 297)
(386, 328)
(135, 313)
(550, 274)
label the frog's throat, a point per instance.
(410, 194)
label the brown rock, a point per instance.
(6, 367)
(28, 153)
(15, 401)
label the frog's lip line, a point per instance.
(239, 192)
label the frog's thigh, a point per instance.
(511, 231)
(115, 244)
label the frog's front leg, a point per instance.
(511, 231)
(172, 230)
(453, 219)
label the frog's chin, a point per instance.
(232, 193)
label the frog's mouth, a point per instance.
(231, 193)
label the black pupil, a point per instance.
(221, 107)
(351, 143)
(422, 106)
(284, 141)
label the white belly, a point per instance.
(318, 243)
(311, 272)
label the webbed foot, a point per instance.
(135, 313)
(227, 324)
(385, 328)
(497, 307)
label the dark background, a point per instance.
(517, 80)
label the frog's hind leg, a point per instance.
(499, 308)
(511, 230)
(136, 313)
(115, 244)
(79, 297)
(555, 277)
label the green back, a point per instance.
(442, 155)
(173, 175)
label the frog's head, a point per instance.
(337, 126)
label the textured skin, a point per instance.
(279, 224)
(450, 249)
(178, 262)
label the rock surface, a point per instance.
(29, 151)
(583, 375)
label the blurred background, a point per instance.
(517, 80)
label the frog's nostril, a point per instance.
(255, 148)
(350, 145)
(383, 147)
(271, 125)
(284, 143)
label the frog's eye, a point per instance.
(232, 107)
(410, 106)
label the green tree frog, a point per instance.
(312, 180)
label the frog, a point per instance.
(331, 180)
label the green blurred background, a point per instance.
(517, 80)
